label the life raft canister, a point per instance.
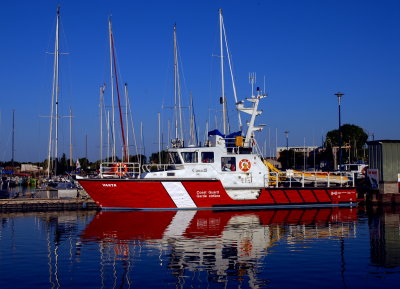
(244, 165)
(120, 169)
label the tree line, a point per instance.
(353, 149)
(326, 157)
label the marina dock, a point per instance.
(24, 205)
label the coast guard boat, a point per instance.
(226, 172)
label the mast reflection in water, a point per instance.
(334, 248)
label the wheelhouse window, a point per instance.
(228, 164)
(174, 158)
(189, 157)
(207, 157)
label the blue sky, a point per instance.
(306, 51)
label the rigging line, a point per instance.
(126, 118)
(167, 81)
(177, 89)
(119, 98)
(212, 105)
(132, 124)
(54, 95)
(180, 104)
(193, 119)
(113, 151)
(228, 53)
(182, 75)
(66, 67)
(181, 67)
(223, 98)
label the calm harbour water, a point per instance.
(329, 248)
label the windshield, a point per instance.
(174, 158)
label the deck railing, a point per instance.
(292, 178)
(120, 170)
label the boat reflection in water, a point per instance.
(210, 246)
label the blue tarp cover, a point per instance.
(231, 135)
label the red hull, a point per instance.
(195, 194)
(139, 225)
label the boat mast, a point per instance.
(70, 138)
(125, 156)
(142, 142)
(102, 88)
(54, 100)
(222, 99)
(13, 138)
(114, 74)
(126, 120)
(159, 137)
(193, 128)
(108, 135)
(228, 54)
(177, 93)
(113, 150)
(56, 90)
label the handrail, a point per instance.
(280, 178)
(120, 170)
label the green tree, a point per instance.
(155, 157)
(84, 162)
(353, 137)
(62, 164)
(136, 158)
(291, 159)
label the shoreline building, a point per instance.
(384, 165)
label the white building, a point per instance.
(304, 149)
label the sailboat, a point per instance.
(56, 186)
(227, 172)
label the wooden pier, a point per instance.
(26, 205)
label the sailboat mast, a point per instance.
(223, 100)
(177, 107)
(193, 129)
(70, 138)
(101, 120)
(54, 98)
(125, 156)
(108, 135)
(13, 138)
(159, 137)
(113, 150)
(126, 119)
(231, 72)
(56, 69)
(142, 142)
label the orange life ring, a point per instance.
(244, 165)
(120, 169)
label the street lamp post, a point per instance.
(287, 148)
(339, 96)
